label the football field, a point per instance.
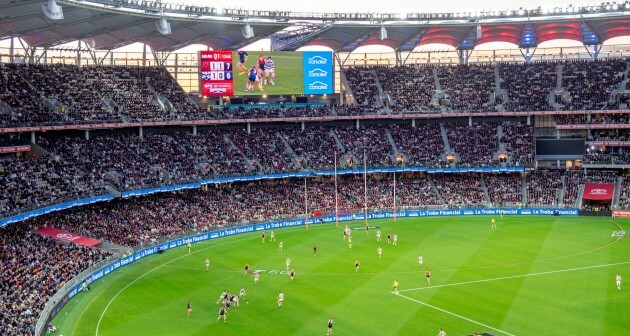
(529, 276)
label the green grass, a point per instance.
(557, 280)
(289, 70)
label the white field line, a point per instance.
(151, 271)
(515, 276)
(456, 315)
(160, 266)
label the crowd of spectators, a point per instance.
(591, 82)
(624, 195)
(410, 87)
(476, 145)
(468, 86)
(127, 88)
(504, 189)
(32, 269)
(518, 139)
(609, 135)
(316, 146)
(596, 118)
(107, 159)
(460, 190)
(543, 187)
(265, 146)
(423, 145)
(528, 85)
(67, 85)
(26, 104)
(363, 84)
(608, 155)
(371, 140)
(98, 94)
(33, 181)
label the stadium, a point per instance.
(184, 168)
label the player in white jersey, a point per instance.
(288, 262)
(378, 235)
(280, 299)
(272, 237)
(222, 297)
(256, 277)
(242, 293)
(380, 252)
(207, 263)
(270, 72)
(420, 261)
(442, 332)
(618, 280)
(280, 246)
(395, 239)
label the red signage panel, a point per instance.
(15, 149)
(598, 191)
(67, 236)
(621, 213)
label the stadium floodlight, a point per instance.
(248, 31)
(52, 10)
(163, 26)
(383, 33)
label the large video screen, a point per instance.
(236, 73)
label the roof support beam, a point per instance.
(596, 49)
(527, 55)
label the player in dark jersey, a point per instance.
(356, 265)
(261, 62)
(314, 249)
(242, 57)
(292, 274)
(246, 269)
(427, 273)
(222, 313)
(189, 308)
(251, 79)
(330, 325)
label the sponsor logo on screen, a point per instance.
(317, 73)
(317, 86)
(318, 60)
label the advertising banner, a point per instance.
(67, 236)
(599, 191)
(15, 149)
(318, 72)
(621, 213)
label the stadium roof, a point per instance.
(107, 27)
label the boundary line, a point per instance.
(166, 264)
(151, 271)
(456, 315)
(516, 276)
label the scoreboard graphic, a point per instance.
(276, 73)
(216, 73)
